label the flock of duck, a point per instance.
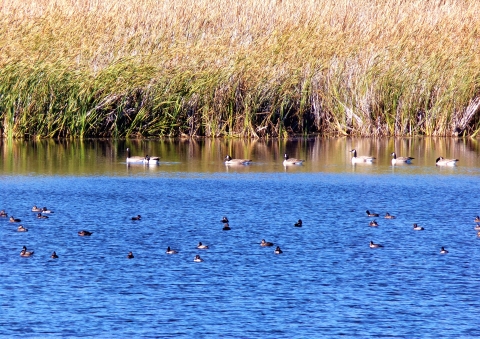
(356, 159)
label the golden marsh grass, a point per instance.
(125, 68)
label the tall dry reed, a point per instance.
(126, 68)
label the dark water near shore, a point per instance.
(327, 283)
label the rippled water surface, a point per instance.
(327, 283)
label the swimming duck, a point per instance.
(361, 159)
(84, 233)
(441, 161)
(202, 246)
(224, 220)
(138, 217)
(443, 251)
(373, 245)
(291, 161)
(371, 214)
(41, 216)
(197, 258)
(12, 219)
(135, 159)
(36, 209)
(417, 227)
(151, 160)
(278, 250)
(130, 255)
(400, 160)
(226, 227)
(25, 253)
(266, 243)
(54, 255)
(46, 210)
(3, 213)
(373, 223)
(477, 227)
(477, 219)
(229, 161)
(388, 216)
(299, 223)
(21, 229)
(170, 251)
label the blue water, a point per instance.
(327, 283)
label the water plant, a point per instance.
(153, 68)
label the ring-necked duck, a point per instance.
(443, 251)
(371, 214)
(12, 219)
(417, 227)
(278, 250)
(151, 160)
(291, 161)
(266, 243)
(477, 219)
(361, 159)
(54, 255)
(130, 255)
(441, 161)
(3, 213)
(46, 210)
(388, 216)
(84, 233)
(138, 217)
(36, 209)
(373, 223)
(477, 227)
(299, 223)
(226, 227)
(230, 161)
(22, 229)
(202, 246)
(224, 220)
(197, 258)
(25, 253)
(400, 160)
(170, 251)
(373, 245)
(41, 216)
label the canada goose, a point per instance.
(266, 243)
(291, 161)
(417, 227)
(84, 233)
(46, 210)
(25, 253)
(130, 255)
(197, 258)
(371, 214)
(41, 216)
(373, 245)
(21, 229)
(170, 251)
(299, 223)
(362, 158)
(151, 160)
(443, 251)
(224, 220)
(226, 227)
(202, 246)
(36, 209)
(441, 161)
(388, 216)
(278, 250)
(229, 161)
(54, 255)
(477, 219)
(373, 223)
(138, 217)
(12, 219)
(135, 159)
(400, 160)
(3, 213)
